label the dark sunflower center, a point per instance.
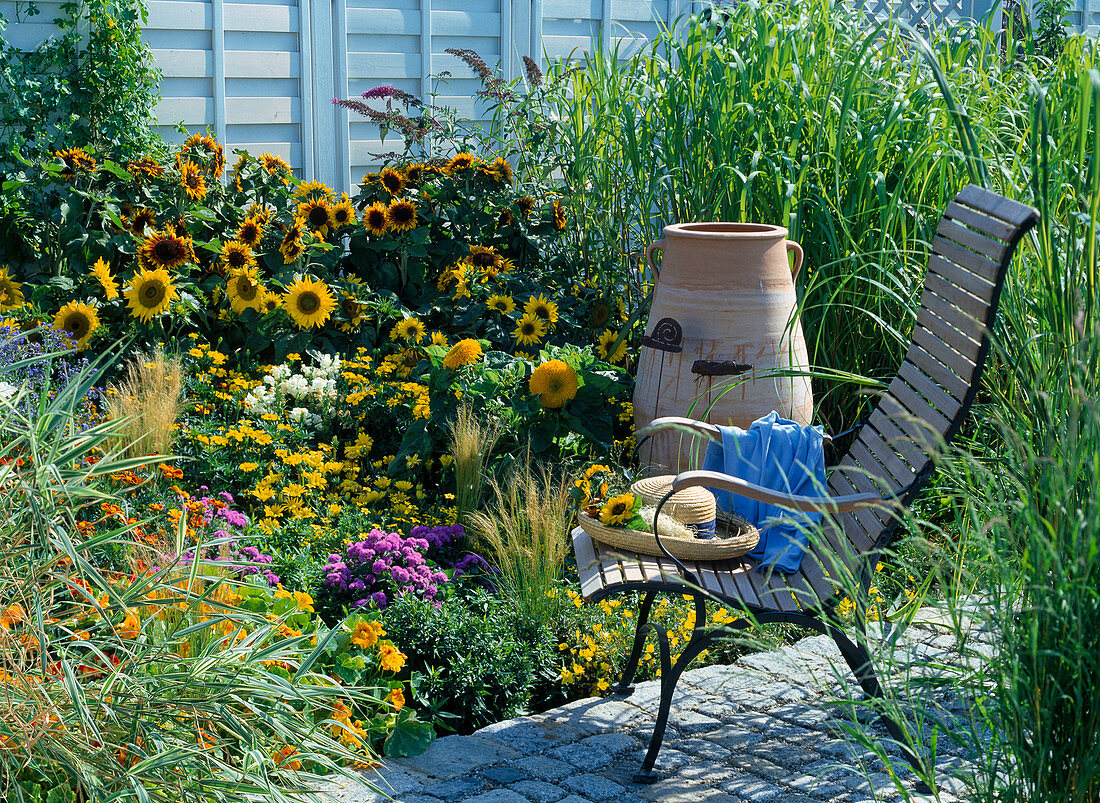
(250, 234)
(318, 216)
(237, 259)
(500, 305)
(151, 293)
(77, 324)
(600, 313)
(246, 289)
(542, 312)
(350, 307)
(528, 328)
(341, 216)
(413, 174)
(618, 509)
(168, 250)
(376, 219)
(392, 182)
(484, 259)
(309, 302)
(402, 214)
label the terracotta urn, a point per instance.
(723, 339)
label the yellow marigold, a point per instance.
(555, 383)
(392, 659)
(130, 627)
(367, 634)
(397, 697)
(464, 352)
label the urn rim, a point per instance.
(726, 230)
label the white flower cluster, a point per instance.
(310, 393)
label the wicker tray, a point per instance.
(740, 537)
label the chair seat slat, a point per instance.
(975, 263)
(916, 431)
(918, 407)
(961, 363)
(773, 591)
(882, 453)
(882, 424)
(956, 296)
(991, 226)
(966, 279)
(953, 384)
(945, 404)
(1014, 213)
(961, 331)
(990, 247)
(744, 585)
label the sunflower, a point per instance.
(530, 330)
(77, 320)
(501, 170)
(605, 342)
(486, 259)
(392, 181)
(75, 160)
(274, 164)
(617, 510)
(351, 311)
(343, 213)
(270, 302)
(192, 181)
(203, 146)
(464, 352)
(149, 293)
(503, 304)
(541, 307)
(144, 168)
(559, 216)
(251, 232)
(143, 219)
(102, 273)
(317, 215)
(236, 256)
(291, 248)
(415, 173)
(165, 250)
(244, 290)
(410, 330)
(506, 218)
(308, 302)
(313, 189)
(440, 339)
(375, 219)
(555, 383)
(401, 215)
(459, 162)
(238, 168)
(11, 296)
(525, 203)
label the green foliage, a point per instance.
(94, 84)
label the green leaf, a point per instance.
(409, 737)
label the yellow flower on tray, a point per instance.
(149, 293)
(78, 320)
(308, 302)
(102, 273)
(464, 352)
(617, 510)
(555, 383)
(244, 290)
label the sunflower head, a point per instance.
(460, 162)
(485, 258)
(530, 330)
(276, 166)
(11, 294)
(559, 216)
(207, 149)
(143, 219)
(251, 232)
(237, 256)
(342, 214)
(501, 170)
(375, 219)
(79, 321)
(415, 173)
(165, 250)
(102, 272)
(75, 161)
(618, 510)
(149, 293)
(555, 383)
(317, 214)
(464, 352)
(401, 215)
(308, 302)
(541, 307)
(291, 247)
(393, 181)
(244, 290)
(143, 169)
(411, 330)
(503, 304)
(193, 181)
(506, 218)
(525, 203)
(312, 190)
(605, 343)
(351, 311)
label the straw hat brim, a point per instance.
(740, 538)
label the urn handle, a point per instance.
(799, 255)
(649, 256)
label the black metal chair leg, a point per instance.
(625, 686)
(859, 662)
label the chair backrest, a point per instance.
(929, 398)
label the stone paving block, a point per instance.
(574, 799)
(539, 791)
(532, 734)
(596, 715)
(544, 768)
(498, 796)
(709, 773)
(611, 743)
(761, 767)
(704, 748)
(752, 789)
(596, 787)
(453, 756)
(668, 759)
(679, 790)
(504, 774)
(734, 737)
(690, 722)
(721, 679)
(811, 784)
(456, 788)
(582, 756)
(393, 780)
(418, 799)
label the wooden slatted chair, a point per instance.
(888, 463)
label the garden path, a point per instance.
(754, 731)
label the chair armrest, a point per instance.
(807, 504)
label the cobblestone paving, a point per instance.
(754, 731)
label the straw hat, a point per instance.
(694, 507)
(735, 538)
